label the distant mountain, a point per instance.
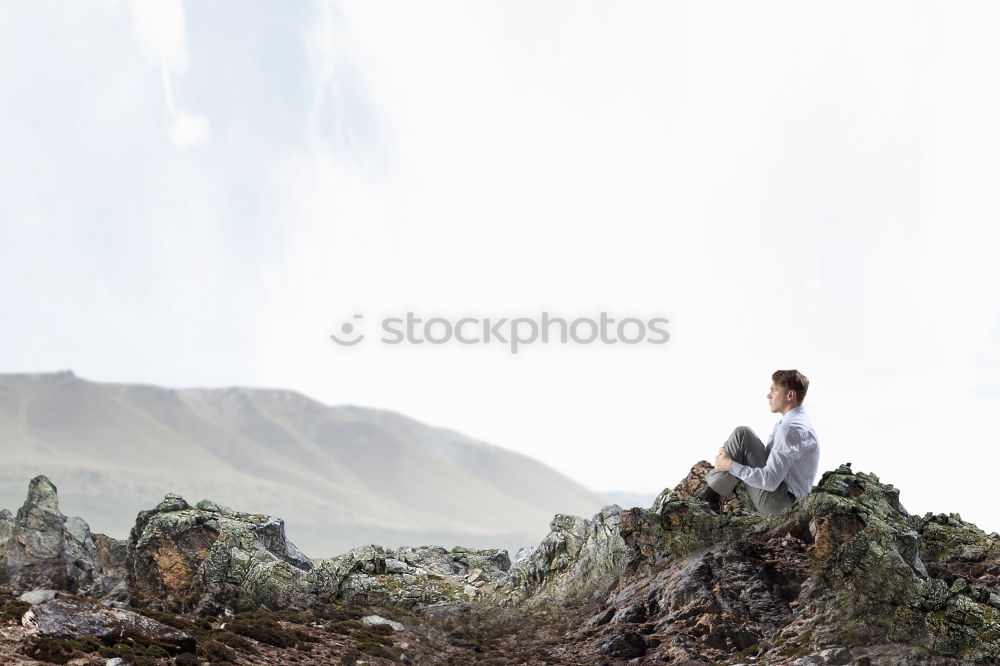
(628, 499)
(339, 476)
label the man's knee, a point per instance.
(734, 445)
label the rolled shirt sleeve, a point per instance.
(786, 450)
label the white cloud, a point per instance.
(160, 32)
(188, 130)
(159, 29)
(783, 210)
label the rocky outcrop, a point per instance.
(71, 618)
(844, 576)
(40, 547)
(578, 558)
(409, 576)
(209, 557)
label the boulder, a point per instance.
(38, 596)
(376, 620)
(210, 558)
(71, 618)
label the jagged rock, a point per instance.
(112, 553)
(41, 547)
(406, 576)
(210, 557)
(694, 484)
(578, 557)
(491, 562)
(71, 618)
(624, 645)
(951, 548)
(6, 526)
(523, 553)
(394, 566)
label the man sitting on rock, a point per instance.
(779, 473)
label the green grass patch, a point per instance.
(13, 610)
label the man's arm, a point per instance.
(786, 450)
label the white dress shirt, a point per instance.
(793, 457)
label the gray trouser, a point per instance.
(745, 447)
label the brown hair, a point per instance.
(792, 380)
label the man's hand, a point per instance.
(723, 462)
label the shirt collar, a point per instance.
(793, 410)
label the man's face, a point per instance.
(779, 399)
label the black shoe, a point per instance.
(713, 499)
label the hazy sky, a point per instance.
(199, 194)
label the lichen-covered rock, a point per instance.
(871, 582)
(577, 558)
(210, 558)
(695, 483)
(6, 527)
(952, 548)
(72, 618)
(408, 576)
(112, 553)
(42, 548)
(844, 576)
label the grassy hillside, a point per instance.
(339, 476)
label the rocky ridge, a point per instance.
(846, 576)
